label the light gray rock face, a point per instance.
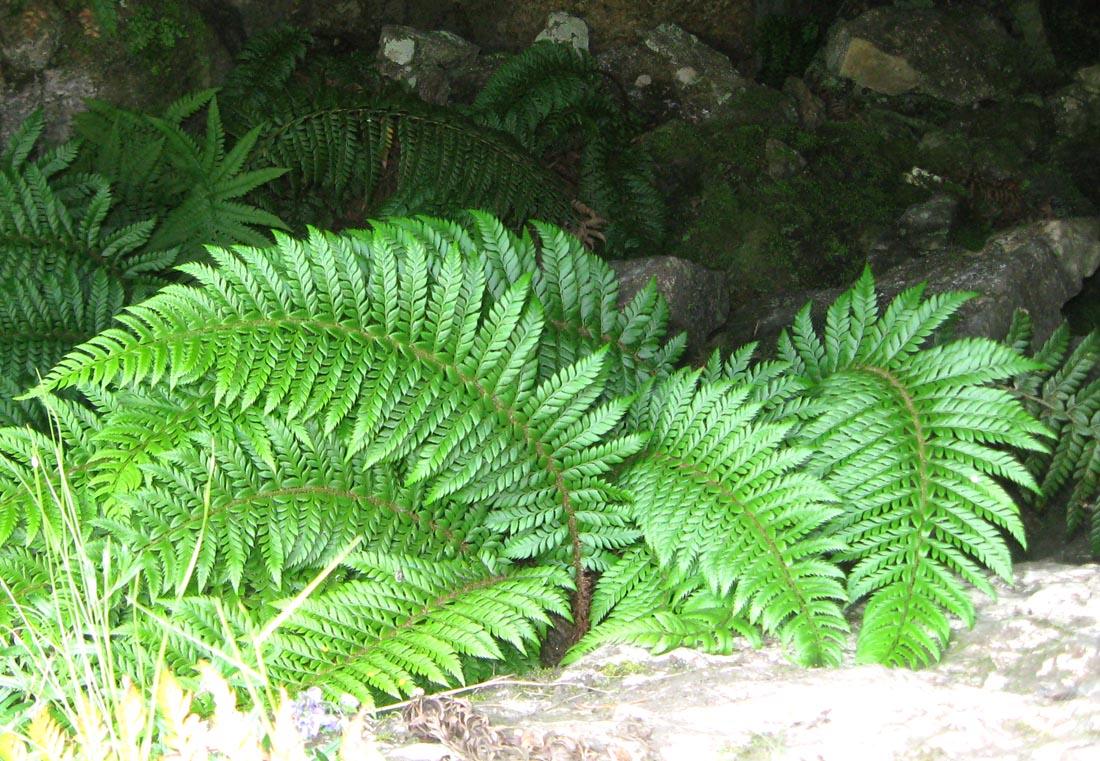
(698, 300)
(962, 56)
(1037, 267)
(567, 29)
(1023, 684)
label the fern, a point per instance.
(909, 438)
(552, 99)
(544, 96)
(64, 271)
(719, 494)
(507, 444)
(638, 602)
(363, 385)
(391, 159)
(403, 621)
(355, 152)
(1064, 393)
(191, 187)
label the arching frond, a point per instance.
(909, 438)
(719, 494)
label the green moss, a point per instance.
(773, 233)
(164, 36)
(625, 668)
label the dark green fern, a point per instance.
(63, 270)
(1064, 393)
(193, 187)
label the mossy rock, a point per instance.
(771, 233)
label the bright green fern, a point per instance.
(511, 450)
(911, 438)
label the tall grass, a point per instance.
(62, 692)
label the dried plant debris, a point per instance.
(461, 728)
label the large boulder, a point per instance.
(1037, 267)
(963, 56)
(1023, 684)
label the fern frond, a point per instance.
(744, 518)
(578, 294)
(402, 622)
(1064, 394)
(538, 95)
(637, 602)
(22, 142)
(910, 439)
(255, 88)
(394, 159)
(64, 271)
(395, 351)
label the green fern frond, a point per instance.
(617, 180)
(64, 271)
(403, 622)
(910, 439)
(190, 185)
(255, 88)
(392, 159)
(22, 142)
(578, 293)
(543, 95)
(392, 347)
(719, 493)
(1065, 395)
(638, 602)
(213, 178)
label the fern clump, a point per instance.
(507, 449)
(64, 267)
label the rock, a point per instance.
(1040, 638)
(726, 24)
(811, 109)
(72, 56)
(60, 93)
(1076, 107)
(783, 160)
(1021, 685)
(1037, 267)
(961, 56)
(698, 301)
(921, 230)
(426, 62)
(566, 29)
(703, 79)
(672, 74)
(29, 38)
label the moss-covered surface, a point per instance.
(772, 233)
(149, 53)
